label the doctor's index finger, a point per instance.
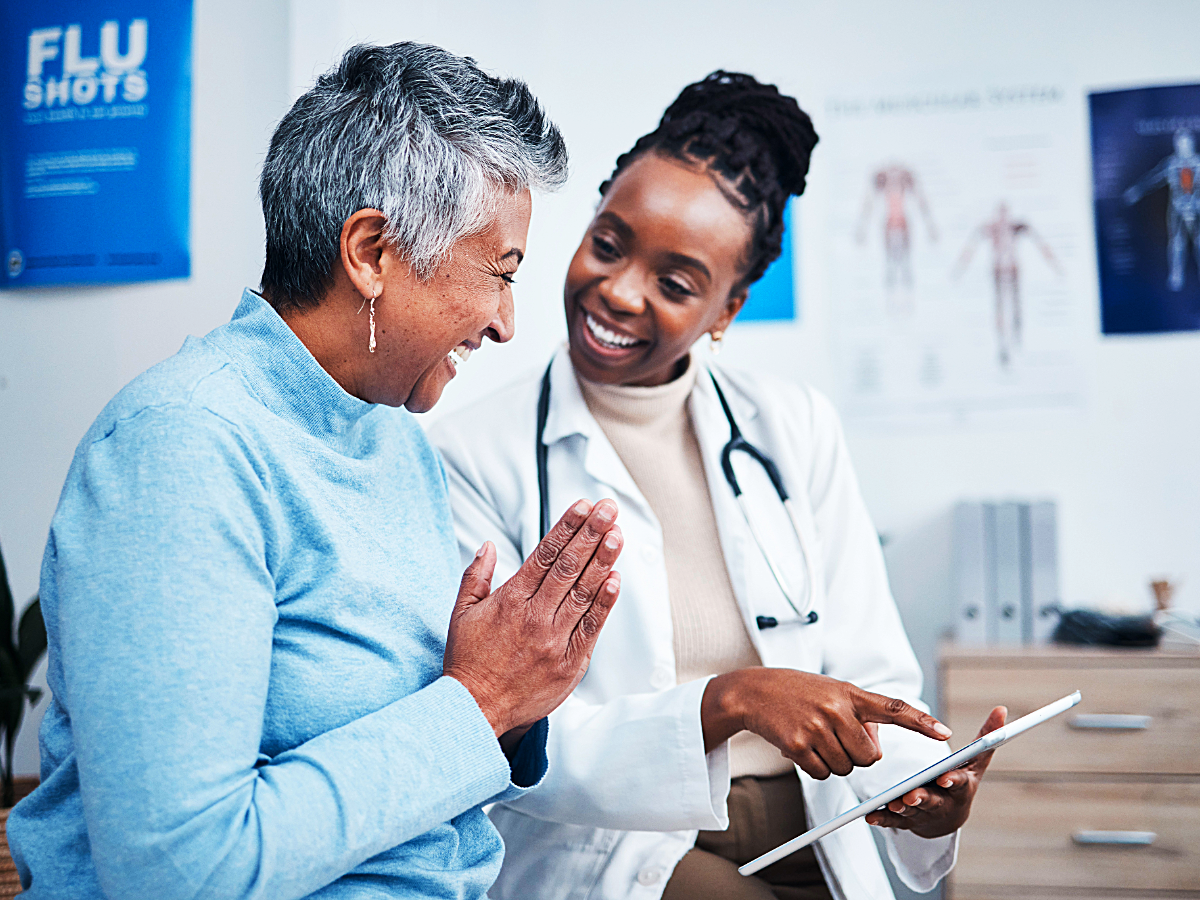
(894, 711)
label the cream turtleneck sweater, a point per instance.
(652, 432)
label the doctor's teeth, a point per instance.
(459, 355)
(605, 336)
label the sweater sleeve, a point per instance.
(865, 642)
(160, 571)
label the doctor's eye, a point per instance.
(604, 248)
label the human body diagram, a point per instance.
(1178, 172)
(1003, 232)
(897, 187)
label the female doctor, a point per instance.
(754, 642)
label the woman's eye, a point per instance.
(604, 248)
(673, 286)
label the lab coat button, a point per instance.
(648, 554)
(650, 875)
(661, 679)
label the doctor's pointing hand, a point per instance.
(823, 725)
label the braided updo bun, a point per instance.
(758, 140)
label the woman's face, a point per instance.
(658, 267)
(467, 299)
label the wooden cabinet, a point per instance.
(1101, 802)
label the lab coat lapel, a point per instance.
(568, 415)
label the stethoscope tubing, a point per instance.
(805, 615)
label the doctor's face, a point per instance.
(659, 266)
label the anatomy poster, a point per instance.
(960, 249)
(1144, 169)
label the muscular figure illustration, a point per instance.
(897, 186)
(1003, 231)
(1178, 172)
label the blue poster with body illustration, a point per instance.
(1144, 171)
(95, 133)
(773, 297)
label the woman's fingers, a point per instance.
(580, 596)
(533, 571)
(583, 639)
(834, 755)
(574, 558)
(995, 719)
(811, 763)
(860, 745)
(890, 710)
(477, 579)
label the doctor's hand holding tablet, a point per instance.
(942, 806)
(826, 726)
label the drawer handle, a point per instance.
(1115, 838)
(1110, 722)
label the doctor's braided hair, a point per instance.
(756, 139)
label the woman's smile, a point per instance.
(659, 266)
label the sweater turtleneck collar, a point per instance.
(629, 404)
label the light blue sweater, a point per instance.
(247, 587)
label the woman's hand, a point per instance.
(821, 724)
(941, 807)
(520, 650)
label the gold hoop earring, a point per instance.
(716, 337)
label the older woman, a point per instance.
(251, 572)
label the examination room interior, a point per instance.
(1113, 441)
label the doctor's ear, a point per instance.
(733, 306)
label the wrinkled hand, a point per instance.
(520, 650)
(942, 806)
(821, 724)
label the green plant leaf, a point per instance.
(7, 609)
(31, 638)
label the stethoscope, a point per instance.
(805, 614)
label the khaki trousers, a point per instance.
(763, 813)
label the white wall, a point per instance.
(1123, 470)
(65, 352)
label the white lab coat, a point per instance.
(629, 783)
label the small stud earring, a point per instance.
(716, 337)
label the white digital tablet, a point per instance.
(991, 741)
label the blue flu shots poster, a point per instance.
(1145, 166)
(95, 122)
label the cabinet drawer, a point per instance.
(1135, 720)
(1025, 834)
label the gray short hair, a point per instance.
(418, 133)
